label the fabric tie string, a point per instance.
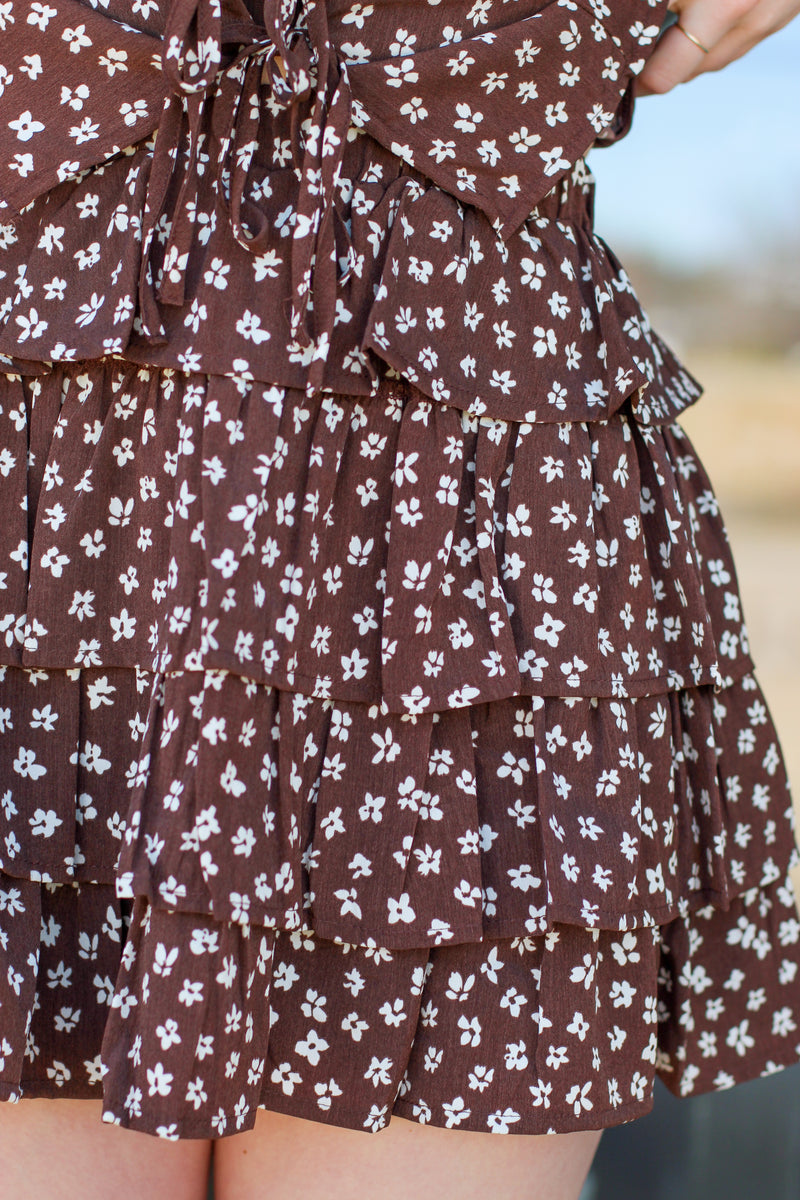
(296, 65)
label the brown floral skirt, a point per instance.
(368, 756)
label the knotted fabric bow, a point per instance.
(296, 62)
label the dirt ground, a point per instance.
(747, 430)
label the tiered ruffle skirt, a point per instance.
(365, 756)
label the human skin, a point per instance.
(284, 1157)
(727, 28)
(60, 1148)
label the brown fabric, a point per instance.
(195, 231)
(378, 731)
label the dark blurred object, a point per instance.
(738, 1145)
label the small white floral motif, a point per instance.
(300, 589)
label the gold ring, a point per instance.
(692, 38)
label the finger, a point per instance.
(733, 46)
(674, 60)
(677, 57)
(761, 23)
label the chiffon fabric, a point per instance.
(378, 730)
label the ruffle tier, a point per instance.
(510, 942)
(208, 793)
(186, 1026)
(421, 275)
(300, 542)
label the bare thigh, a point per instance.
(285, 1157)
(60, 1148)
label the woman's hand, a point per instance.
(726, 29)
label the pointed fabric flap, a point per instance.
(99, 82)
(498, 119)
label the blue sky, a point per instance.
(711, 170)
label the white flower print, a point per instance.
(155, 572)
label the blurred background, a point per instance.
(702, 204)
